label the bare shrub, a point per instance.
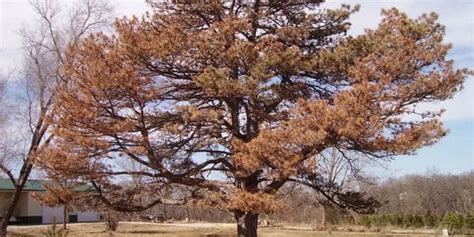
(111, 219)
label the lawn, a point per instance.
(174, 230)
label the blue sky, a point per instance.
(453, 154)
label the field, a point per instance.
(181, 230)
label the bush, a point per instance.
(399, 220)
(408, 220)
(469, 221)
(430, 220)
(417, 221)
(53, 231)
(365, 221)
(453, 221)
(396, 220)
(111, 219)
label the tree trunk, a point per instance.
(165, 216)
(7, 214)
(188, 213)
(323, 216)
(64, 217)
(247, 224)
(25, 171)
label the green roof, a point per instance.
(39, 185)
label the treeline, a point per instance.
(412, 201)
(459, 223)
(427, 200)
(449, 220)
(432, 193)
(182, 213)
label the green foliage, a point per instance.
(417, 221)
(365, 221)
(457, 221)
(407, 221)
(469, 221)
(399, 220)
(430, 220)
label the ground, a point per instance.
(141, 229)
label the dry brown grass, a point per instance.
(127, 229)
(142, 229)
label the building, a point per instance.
(31, 211)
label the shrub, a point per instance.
(365, 221)
(417, 221)
(469, 221)
(453, 221)
(53, 231)
(111, 219)
(397, 220)
(429, 220)
(408, 220)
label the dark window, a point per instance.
(72, 218)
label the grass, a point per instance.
(174, 230)
(124, 229)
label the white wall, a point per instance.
(34, 206)
(53, 213)
(87, 216)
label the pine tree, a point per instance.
(231, 100)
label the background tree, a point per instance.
(11, 137)
(429, 194)
(44, 47)
(2, 97)
(60, 194)
(341, 172)
(3, 120)
(233, 100)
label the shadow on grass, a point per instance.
(19, 235)
(143, 232)
(219, 235)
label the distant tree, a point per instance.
(233, 99)
(432, 194)
(9, 135)
(3, 83)
(111, 219)
(453, 221)
(44, 46)
(342, 173)
(4, 171)
(59, 194)
(469, 221)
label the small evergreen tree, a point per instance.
(453, 221)
(469, 221)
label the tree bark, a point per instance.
(188, 213)
(247, 224)
(323, 216)
(20, 183)
(64, 217)
(165, 216)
